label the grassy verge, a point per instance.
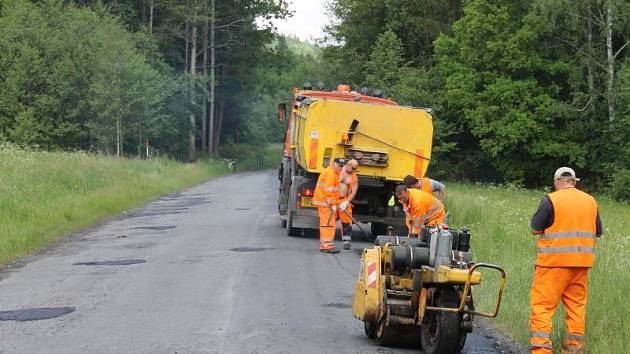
(499, 220)
(44, 196)
(246, 156)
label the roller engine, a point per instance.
(419, 290)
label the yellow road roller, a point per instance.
(419, 290)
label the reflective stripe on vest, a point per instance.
(326, 188)
(569, 249)
(574, 234)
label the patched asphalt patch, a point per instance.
(112, 263)
(35, 314)
(250, 249)
(338, 305)
(157, 228)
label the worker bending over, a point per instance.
(426, 184)
(326, 200)
(567, 221)
(347, 192)
(421, 208)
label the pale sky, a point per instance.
(308, 20)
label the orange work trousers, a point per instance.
(327, 225)
(549, 286)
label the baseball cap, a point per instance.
(565, 172)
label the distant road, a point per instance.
(209, 270)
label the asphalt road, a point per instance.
(209, 270)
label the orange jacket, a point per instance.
(423, 209)
(327, 189)
(426, 185)
(570, 240)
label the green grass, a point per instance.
(245, 155)
(45, 195)
(499, 219)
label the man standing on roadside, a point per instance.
(421, 208)
(347, 192)
(426, 184)
(325, 199)
(567, 221)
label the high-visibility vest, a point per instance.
(570, 240)
(426, 185)
(327, 188)
(423, 209)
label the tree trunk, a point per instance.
(204, 114)
(119, 144)
(186, 38)
(591, 69)
(151, 16)
(193, 63)
(611, 62)
(219, 124)
(211, 128)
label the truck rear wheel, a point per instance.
(440, 330)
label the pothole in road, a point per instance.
(338, 305)
(112, 263)
(158, 228)
(35, 314)
(250, 249)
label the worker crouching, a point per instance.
(326, 200)
(421, 208)
(347, 192)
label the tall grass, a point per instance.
(499, 219)
(44, 195)
(245, 155)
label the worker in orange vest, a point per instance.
(426, 184)
(567, 221)
(326, 198)
(421, 208)
(347, 192)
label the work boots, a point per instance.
(346, 235)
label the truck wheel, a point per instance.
(292, 231)
(370, 330)
(440, 330)
(384, 335)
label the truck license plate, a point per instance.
(307, 202)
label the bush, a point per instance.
(620, 186)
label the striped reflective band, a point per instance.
(572, 349)
(326, 188)
(574, 337)
(320, 203)
(569, 249)
(546, 346)
(572, 234)
(541, 334)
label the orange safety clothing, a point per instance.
(570, 240)
(423, 209)
(327, 188)
(327, 195)
(426, 185)
(327, 225)
(550, 285)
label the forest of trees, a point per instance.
(518, 87)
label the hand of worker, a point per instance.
(343, 206)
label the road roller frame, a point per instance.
(407, 300)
